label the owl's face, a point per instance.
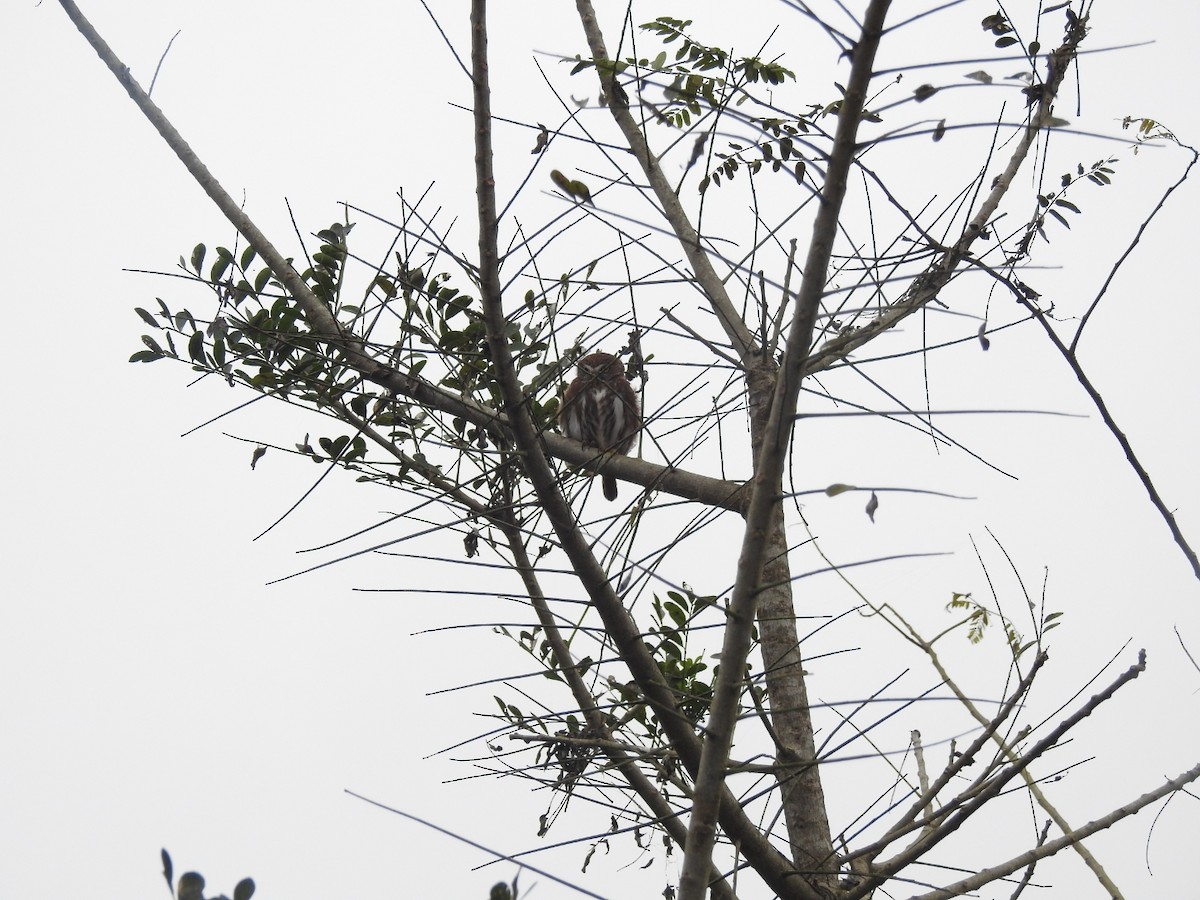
(601, 367)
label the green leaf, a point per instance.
(260, 280)
(196, 347)
(386, 285)
(145, 356)
(146, 317)
(223, 261)
(198, 257)
(248, 256)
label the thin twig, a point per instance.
(150, 90)
(1042, 317)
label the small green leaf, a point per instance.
(223, 261)
(196, 347)
(260, 281)
(198, 257)
(146, 317)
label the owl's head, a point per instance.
(601, 366)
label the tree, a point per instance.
(458, 390)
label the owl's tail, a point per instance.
(610, 487)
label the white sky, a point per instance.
(154, 692)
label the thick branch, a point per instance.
(768, 478)
(318, 315)
(711, 283)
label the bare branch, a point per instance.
(962, 810)
(927, 286)
(967, 885)
(712, 285)
(1068, 354)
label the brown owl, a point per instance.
(600, 409)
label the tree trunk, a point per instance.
(799, 778)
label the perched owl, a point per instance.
(600, 409)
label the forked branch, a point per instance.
(769, 465)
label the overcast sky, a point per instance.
(155, 691)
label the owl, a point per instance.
(600, 409)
